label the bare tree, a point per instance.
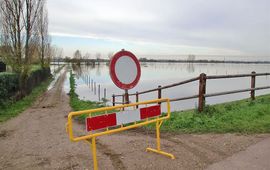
(77, 56)
(59, 54)
(18, 20)
(191, 57)
(110, 55)
(55, 53)
(11, 28)
(98, 56)
(30, 19)
(42, 32)
(87, 56)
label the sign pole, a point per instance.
(126, 96)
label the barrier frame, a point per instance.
(158, 120)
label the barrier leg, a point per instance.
(94, 151)
(158, 124)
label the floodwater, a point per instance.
(154, 74)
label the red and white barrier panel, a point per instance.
(119, 118)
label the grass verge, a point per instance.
(77, 104)
(12, 109)
(244, 116)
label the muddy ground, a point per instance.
(36, 139)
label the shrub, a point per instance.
(9, 85)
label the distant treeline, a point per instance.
(72, 60)
(202, 61)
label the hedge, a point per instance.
(36, 77)
(9, 83)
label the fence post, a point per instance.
(92, 85)
(95, 88)
(253, 82)
(123, 98)
(137, 99)
(202, 90)
(159, 93)
(113, 100)
(99, 92)
(104, 94)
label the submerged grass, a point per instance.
(78, 104)
(12, 109)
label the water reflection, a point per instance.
(190, 67)
(77, 68)
(94, 83)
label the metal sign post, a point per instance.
(125, 71)
(126, 97)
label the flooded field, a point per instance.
(90, 79)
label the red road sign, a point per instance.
(125, 70)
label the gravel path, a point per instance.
(36, 139)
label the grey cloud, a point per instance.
(242, 25)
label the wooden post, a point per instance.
(137, 99)
(113, 100)
(104, 94)
(253, 82)
(123, 100)
(202, 90)
(92, 85)
(126, 97)
(99, 92)
(95, 88)
(159, 93)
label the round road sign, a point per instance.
(125, 70)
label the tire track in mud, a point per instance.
(198, 152)
(44, 102)
(213, 149)
(114, 157)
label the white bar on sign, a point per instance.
(128, 116)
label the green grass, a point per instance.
(244, 116)
(10, 109)
(35, 67)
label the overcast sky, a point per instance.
(208, 27)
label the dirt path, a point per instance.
(36, 139)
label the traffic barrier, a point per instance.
(123, 118)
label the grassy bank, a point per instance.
(244, 116)
(11, 109)
(78, 104)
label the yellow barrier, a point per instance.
(107, 131)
